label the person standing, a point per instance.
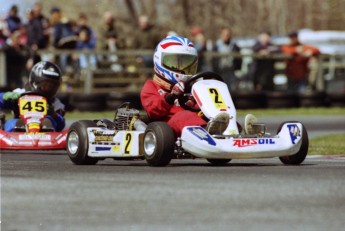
(297, 69)
(263, 66)
(227, 65)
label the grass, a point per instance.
(327, 145)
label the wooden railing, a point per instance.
(128, 73)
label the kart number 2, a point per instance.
(128, 143)
(217, 98)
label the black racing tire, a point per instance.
(159, 144)
(300, 156)
(219, 162)
(77, 143)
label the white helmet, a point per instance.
(175, 59)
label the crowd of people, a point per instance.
(21, 39)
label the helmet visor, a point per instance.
(48, 87)
(180, 63)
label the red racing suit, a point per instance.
(158, 109)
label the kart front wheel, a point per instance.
(300, 156)
(77, 143)
(159, 144)
(219, 162)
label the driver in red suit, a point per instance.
(175, 61)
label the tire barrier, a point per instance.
(115, 99)
(89, 102)
(281, 100)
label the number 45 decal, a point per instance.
(217, 98)
(33, 106)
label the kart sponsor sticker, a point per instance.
(100, 149)
(34, 136)
(103, 135)
(217, 98)
(202, 135)
(116, 148)
(252, 142)
(295, 133)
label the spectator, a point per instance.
(16, 58)
(108, 40)
(263, 68)
(227, 65)
(3, 36)
(297, 67)
(107, 33)
(146, 37)
(38, 28)
(13, 20)
(64, 36)
(86, 41)
(199, 40)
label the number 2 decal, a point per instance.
(128, 143)
(217, 98)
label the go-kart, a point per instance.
(127, 137)
(33, 131)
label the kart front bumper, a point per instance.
(200, 143)
(32, 141)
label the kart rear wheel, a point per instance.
(300, 156)
(159, 144)
(77, 143)
(219, 162)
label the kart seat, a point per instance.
(47, 126)
(20, 126)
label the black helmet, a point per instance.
(45, 78)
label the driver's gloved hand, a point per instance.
(176, 91)
(51, 110)
(11, 96)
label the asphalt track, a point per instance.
(47, 192)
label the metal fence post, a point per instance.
(88, 75)
(3, 80)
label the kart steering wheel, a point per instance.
(188, 88)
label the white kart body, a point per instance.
(213, 98)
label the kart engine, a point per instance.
(125, 117)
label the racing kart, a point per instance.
(127, 137)
(33, 131)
